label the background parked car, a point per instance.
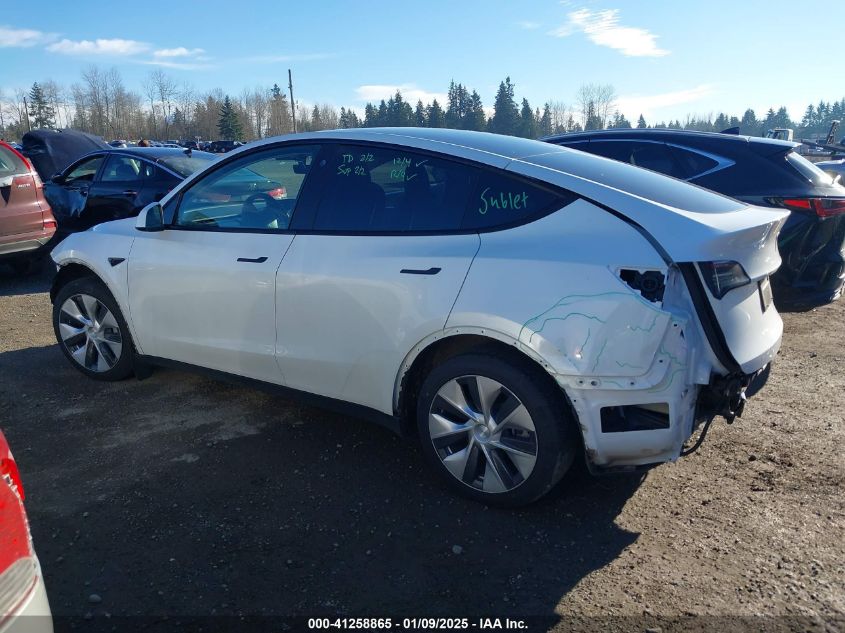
(221, 147)
(760, 171)
(26, 221)
(22, 592)
(117, 183)
(834, 168)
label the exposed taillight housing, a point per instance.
(15, 542)
(822, 207)
(723, 276)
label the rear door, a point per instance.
(117, 189)
(69, 197)
(375, 269)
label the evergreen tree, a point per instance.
(749, 124)
(420, 119)
(229, 125)
(382, 117)
(592, 120)
(641, 124)
(435, 115)
(40, 110)
(476, 118)
(527, 124)
(370, 116)
(505, 119)
(316, 119)
(399, 112)
(457, 106)
(545, 127)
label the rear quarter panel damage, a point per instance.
(552, 288)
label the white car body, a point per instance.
(331, 315)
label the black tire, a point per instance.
(93, 287)
(555, 441)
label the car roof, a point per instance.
(150, 153)
(666, 135)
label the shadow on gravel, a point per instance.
(185, 497)
(12, 283)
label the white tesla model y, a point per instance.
(514, 302)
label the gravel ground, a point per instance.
(180, 497)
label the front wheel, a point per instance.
(91, 330)
(496, 431)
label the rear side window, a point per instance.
(692, 163)
(384, 189)
(10, 163)
(123, 169)
(500, 200)
(654, 156)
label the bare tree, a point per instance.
(596, 102)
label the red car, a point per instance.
(22, 590)
(26, 220)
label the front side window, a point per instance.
(123, 169)
(384, 189)
(258, 191)
(85, 171)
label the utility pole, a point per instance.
(26, 112)
(292, 102)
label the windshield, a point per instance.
(185, 165)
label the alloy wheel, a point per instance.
(90, 333)
(483, 434)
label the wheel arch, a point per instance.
(438, 347)
(69, 272)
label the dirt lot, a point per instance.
(181, 497)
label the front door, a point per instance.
(376, 268)
(202, 291)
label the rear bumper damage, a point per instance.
(643, 411)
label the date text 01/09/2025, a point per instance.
(416, 624)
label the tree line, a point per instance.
(164, 109)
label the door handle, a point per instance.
(419, 271)
(129, 192)
(256, 260)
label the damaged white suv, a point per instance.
(513, 301)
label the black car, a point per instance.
(760, 171)
(221, 147)
(110, 184)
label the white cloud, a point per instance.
(648, 105)
(603, 28)
(528, 25)
(280, 59)
(410, 93)
(22, 38)
(99, 47)
(181, 51)
(177, 65)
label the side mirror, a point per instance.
(57, 179)
(151, 218)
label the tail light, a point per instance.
(279, 193)
(14, 532)
(822, 207)
(50, 225)
(23, 182)
(722, 277)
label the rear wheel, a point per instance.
(91, 330)
(497, 432)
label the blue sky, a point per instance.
(664, 59)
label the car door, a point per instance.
(202, 291)
(117, 189)
(374, 270)
(68, 195)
